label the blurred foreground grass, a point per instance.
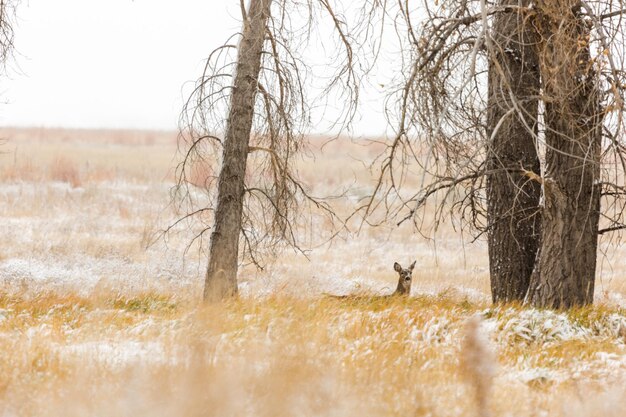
(161, 355)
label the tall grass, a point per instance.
(157, 355)
(93, 323)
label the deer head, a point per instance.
(405, 278)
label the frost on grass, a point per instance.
(387, 349)
(85, 274)
(115, 354)
(541, 329)
(304, 355)
(544, 326)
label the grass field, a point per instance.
(100, 317)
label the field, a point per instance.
(101, 315)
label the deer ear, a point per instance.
(397, 267)
(412, 265)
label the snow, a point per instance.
(66, 238)
(116, 353)
(359, 265)
(547, 328)
(542, 327)
(533, 374)
(84, 274)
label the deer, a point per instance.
(405, 279)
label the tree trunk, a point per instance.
(221, 277)
(565, 272)
(512, 198)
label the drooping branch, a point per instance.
(438, 108)
(7, 19)
(277, 204)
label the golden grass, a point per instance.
(154, 355)
(85, 156)
(95, 322)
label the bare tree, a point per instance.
(7, 18)
(221, 278)
(256, 204)
(565, 272)
(7, 15)
(501, 100)
(512, 114)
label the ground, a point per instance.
(100, 314)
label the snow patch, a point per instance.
(117, 353)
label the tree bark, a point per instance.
(512, 198)
(565, 272)
(221, 277)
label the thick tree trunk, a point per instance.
(221, 277)
(565, 272)
(512, 199)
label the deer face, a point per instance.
(405, 278)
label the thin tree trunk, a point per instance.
(565, 272)
(512, 199)
(221, 277)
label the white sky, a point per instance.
(116, 63)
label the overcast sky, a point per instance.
(116, 63)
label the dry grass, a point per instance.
(89, 156)
(155, 355)
(92, 322)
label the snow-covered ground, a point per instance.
(83, 210)
(79, 238)
(97, 237)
